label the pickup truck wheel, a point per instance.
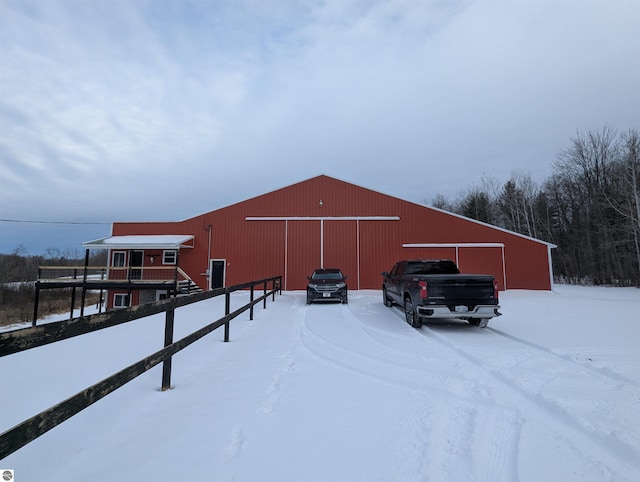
(410, 314)
(385, 298)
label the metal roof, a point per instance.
(156, 241)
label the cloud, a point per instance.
(121, 108)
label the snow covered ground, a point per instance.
(549, 391)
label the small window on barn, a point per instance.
(169, 257)
(119, 258)
(121, 300)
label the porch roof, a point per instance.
(156, 241)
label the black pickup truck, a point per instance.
(435, 289)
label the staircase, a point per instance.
(188, 287)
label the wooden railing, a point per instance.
(15, 341)
(105, 278)
(69, 274)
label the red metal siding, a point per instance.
(430, 253)
(340, 248)
(482, 261)
(303, 253)
(380, 248)
(527, 265)
(256, 249)
(478, 260)
(252, 250)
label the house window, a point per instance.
(119, 258)
(121, 300)
(169, 257)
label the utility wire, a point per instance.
(45, 222)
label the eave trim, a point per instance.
(322, 218)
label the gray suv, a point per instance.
(327, 284)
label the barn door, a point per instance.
(303, 253)
(340, 249)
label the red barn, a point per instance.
(325, 222)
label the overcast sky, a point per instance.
(131, 110)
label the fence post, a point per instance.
(84, 282)
(102, 273)
(73, 294)
(168, 340)
(35, 303)
(227, 310)
(264, 295)
(251, 301)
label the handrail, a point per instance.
(67, 272)
(129, 277)
(19, 340)
(182, 273)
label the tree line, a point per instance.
(20, 266)
(18, 272)
(589, 207)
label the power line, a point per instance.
(33, 221)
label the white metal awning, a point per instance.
(158, 241)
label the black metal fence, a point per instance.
(19, 340)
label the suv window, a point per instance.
(324, 274)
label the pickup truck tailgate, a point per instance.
(468, 291)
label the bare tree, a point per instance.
(589, 207)
(624, 196)
(517, 204)
(587, 165)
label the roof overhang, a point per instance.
(157, 241)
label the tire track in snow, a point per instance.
(619, 425)
(446, 437)
(410, 377)
(569, 372)
(545, 409)
(445, 433)
(505, 430)
(601, 371)
(500, 456)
